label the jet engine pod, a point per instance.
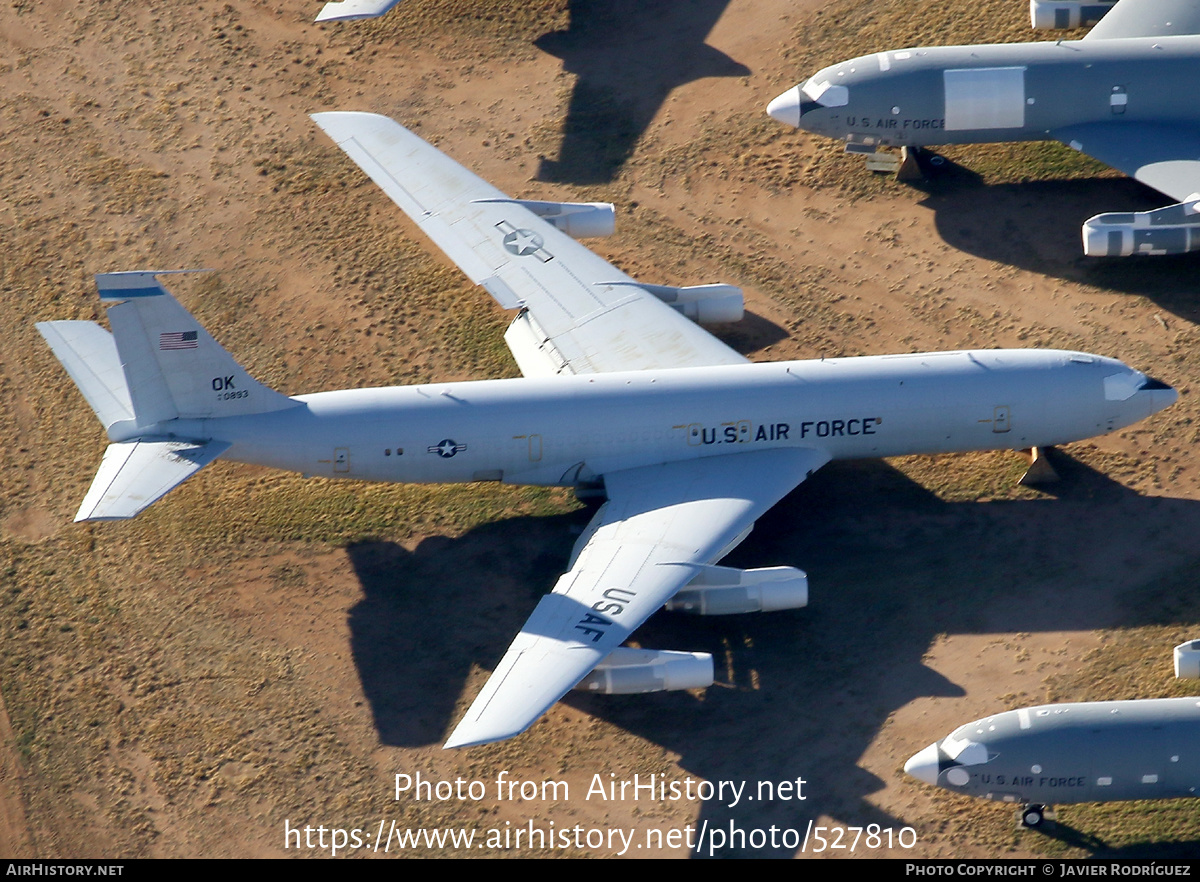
(1059, 15)
(703, 304)
(723, 591)
(628, 671)
(1173, 229)
(1187, 660)
(579, 220)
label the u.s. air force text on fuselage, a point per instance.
(746, 431)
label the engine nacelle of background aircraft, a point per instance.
(1173, 229)
(703, 304)
(1060, 15)
(1187, 660)
(629, 671)
(723, 591)
(579, 220)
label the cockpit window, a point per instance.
(1122, 386)
(965, 752)
(825, 94)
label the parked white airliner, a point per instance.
(690, 442)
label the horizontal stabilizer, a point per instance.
(89, 354)
(136, 473)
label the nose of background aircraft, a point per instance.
(786, 108)
(923, 765)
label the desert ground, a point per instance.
(259, 653)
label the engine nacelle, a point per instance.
(1187, 660)
(628, 671)
(1173, 229)
(703, 304)
(723, 591)
(579, 220)
(1061, 15)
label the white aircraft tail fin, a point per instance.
(173, 368)
(158, 365)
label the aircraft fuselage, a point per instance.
(572, 429)
(1066, 753)
(998, 92)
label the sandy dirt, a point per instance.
(258, 653)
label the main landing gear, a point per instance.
(1035, 816)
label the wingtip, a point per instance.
(354, 10)
(329, 120)
(472, 735)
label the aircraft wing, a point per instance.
(1163, 156)
(587, 316)
(659, 528)
(1148, 18)
(347, 10)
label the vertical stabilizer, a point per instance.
(173, 367)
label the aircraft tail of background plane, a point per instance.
(157, 366)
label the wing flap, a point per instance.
(1165, 157)
(596, 317)
(661, 525)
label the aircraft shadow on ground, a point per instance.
(752, 334)
(1183, 850)
(891, 567)
(626, 56)
(1098, 848)
(428, 615)
(1036, 226)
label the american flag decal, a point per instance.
(169, 340)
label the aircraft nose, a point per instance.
(786, 108)
(1161, 395)
(923, 765)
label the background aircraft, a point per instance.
(1124, 94)
(622, 390)
(1099, 751)
(1060, 15)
